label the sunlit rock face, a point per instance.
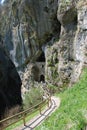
(66, 58)
(67, 15)
(80, 42)
(72, 44)
(10, 83)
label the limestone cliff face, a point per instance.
(73, 39)
(72, 46)
(27, 25)
(67, 15)
(51, 68)
(57, 28)
(80, 44)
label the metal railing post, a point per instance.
(85, 128)
(40, 109)
(24, 120)
(50, 98)
(48, 102)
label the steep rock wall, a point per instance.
(67, 15)
(73, 21)
(28, 25)
(72, 46)
(80, 44)
(10, 83)
(51, 67)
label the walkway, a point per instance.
(40, 118)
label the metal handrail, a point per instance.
(22, 115)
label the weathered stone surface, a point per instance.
(10, 83)
(28, 25)
(32, 27)
(80, 44)
(34, 72)
(51, 69)
(72, 44)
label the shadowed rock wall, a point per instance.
(10, 83)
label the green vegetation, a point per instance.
(64, 5)
(66, 1)
(72, 113)
(33, 97)
(27, 119)
(53, 89)
(21, 121)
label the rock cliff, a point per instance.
(10, 83)
(27, 26)
(72, 44)
(71, 47)
(56, 28)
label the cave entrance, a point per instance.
(42, 78)
(41, 58)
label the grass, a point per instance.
(72, 113)
(21, 121)
(27, 119)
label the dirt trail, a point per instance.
(40, 118)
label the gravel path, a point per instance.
(40, 118)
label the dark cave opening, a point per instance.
(41, 58)
(75, 19)
(57, 26)
(42, 78)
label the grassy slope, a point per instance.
(27, 119)
(72, 113)
(12, 127)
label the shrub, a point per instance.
(33, 97)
